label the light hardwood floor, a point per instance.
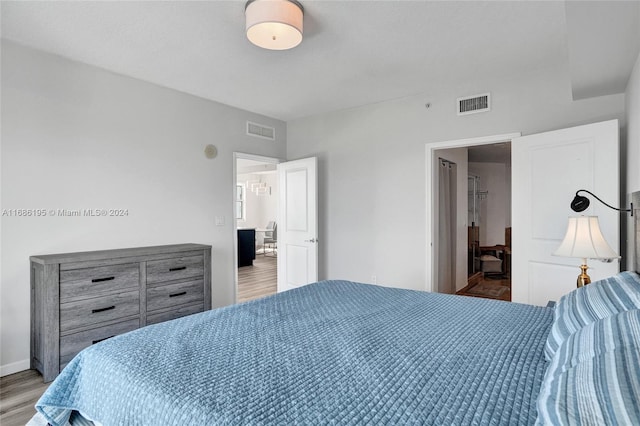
(259, 280)
(19, 392)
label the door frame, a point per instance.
(431, 192)
(236, 157)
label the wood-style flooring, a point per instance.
(498, 289)
(259, 280)
(18, 395)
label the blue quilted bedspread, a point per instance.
(333, 352)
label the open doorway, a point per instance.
(256, 221)
(489, 222)
(481, 262)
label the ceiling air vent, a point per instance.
(473, 104)
(261, 131)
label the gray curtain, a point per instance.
(446, 228)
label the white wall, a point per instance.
(372, 170)
(493, 209)
(633, 129)
(458, 156)
(269, 203)
(75, 136)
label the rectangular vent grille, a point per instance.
(474, 104)
(258, 130)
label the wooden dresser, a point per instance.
(79, 299)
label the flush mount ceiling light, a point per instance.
(274, 24)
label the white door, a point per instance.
(298, 223)
(547, 170)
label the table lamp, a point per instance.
(585, 240)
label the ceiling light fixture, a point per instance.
(274, 24)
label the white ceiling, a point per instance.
(244, 166)
(494, 153)
(603, 40)
(353, 53)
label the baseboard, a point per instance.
(14, 367)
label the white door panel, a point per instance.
(298, 227)
(547, 169)
(296, 206)
(297, 265)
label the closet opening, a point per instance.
(480, 226)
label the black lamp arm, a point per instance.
(629, 210)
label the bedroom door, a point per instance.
(547, 170)
(298, 226)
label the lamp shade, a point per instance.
(274, 24)
(585, 240)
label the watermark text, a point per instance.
(99, 212)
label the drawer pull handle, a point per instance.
(100, 340)
(182, 293)
(95, 311)
(99, 280)
(181, 268)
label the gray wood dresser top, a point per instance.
(115, 253)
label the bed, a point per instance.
(344, 353)
(330, 352)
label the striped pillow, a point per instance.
(590, 303)
(594, 377)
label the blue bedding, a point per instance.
(333, 352)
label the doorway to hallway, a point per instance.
(256, 217)
(481, 204)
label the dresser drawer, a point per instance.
(176, 268)
(98, 280)
(83, 313)
(71, 344)
(166, 296)
(174, 313)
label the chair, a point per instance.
(491, 259)
(271, 239)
